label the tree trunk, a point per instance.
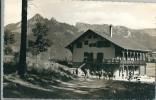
(22, 60)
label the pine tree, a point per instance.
(22, 68)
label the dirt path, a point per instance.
(81, 85)
(79, 88)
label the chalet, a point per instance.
(96, 50)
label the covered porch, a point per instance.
(122, 63)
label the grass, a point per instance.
(45, 75)
(109, 90)
(52, 70)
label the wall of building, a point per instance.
(78, 53)
(154, 55)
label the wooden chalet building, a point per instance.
(108, 51)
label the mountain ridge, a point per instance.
(62, 34)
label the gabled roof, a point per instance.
(119, 40)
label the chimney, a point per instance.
(111, 29)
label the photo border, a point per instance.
(2, 30)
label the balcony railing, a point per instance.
(111, 61)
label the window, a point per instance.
(107, 44)
(99, 43)
(85, 60)
(95, 36)
(79, 45)
(91, 45)
(94, 44)
(89, 36)
(85, 54)
(103, 44)
(86, 42)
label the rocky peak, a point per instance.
(54, 20)
(36, 17)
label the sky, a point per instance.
(131, 15)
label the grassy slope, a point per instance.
(97, 89)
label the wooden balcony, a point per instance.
(119, 62)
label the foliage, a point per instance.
(125, 90)
(7, 50)
(41, 43)
(9, 38)
(58, 72)
(62, 62)
(16, 57)
(11, 66)
(153, 60)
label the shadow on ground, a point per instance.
(78, 88)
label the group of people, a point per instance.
(99, 74)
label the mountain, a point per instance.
(62, 34)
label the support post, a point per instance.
(145, 64)
(134, 55)
(139, 70)
(145, 70)
(130, 57)
(145, 57)
(119, 70)
(142, 57)
(137, 58)
(133, 69)
(126, 70)
(123, 61)
(127, 57)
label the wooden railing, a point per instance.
(111, 61)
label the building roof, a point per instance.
(119, 40)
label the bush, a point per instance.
(153, 60)
(7, 50)
(64, 62)
(61, 72)
(9, 67)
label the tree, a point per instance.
(41, 44)
(22, 60)
(7, 50)
(9, 38)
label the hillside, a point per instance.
(62, 34)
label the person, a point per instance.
(88, 73)
(130, 75)
(122, 75)
(99, 74)
(102, 73)
(77, 71)
(96, 73)
(73, 71)
(109, 75)
(114, 76)
(92, 73)
(85, 72)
